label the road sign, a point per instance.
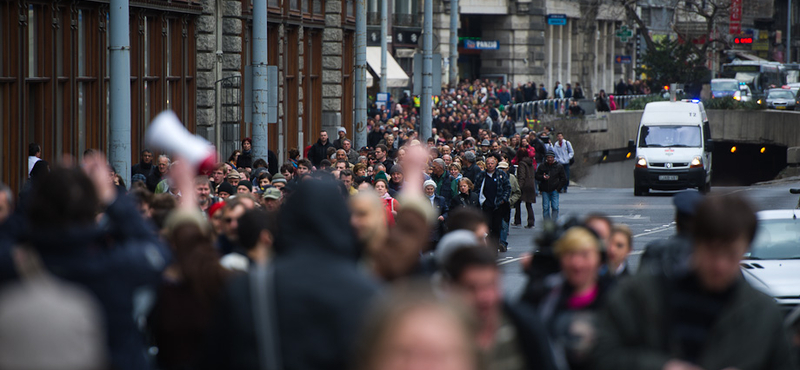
(557, 19)
(437, 74)
(482, 44)
(622, 59)
(624, 33)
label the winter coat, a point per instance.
(557, 180)
(465, 200)
(634, 331)
(446, 186)
(503, 188)
(318, 152)
(516, 194)
(245, 159)
(526, 176)
(113, 262)
(320, 294)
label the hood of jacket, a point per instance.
(315, 219)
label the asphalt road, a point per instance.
(649, 217)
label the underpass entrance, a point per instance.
(743, 164)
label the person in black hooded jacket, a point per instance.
(320, 293)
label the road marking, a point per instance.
(510, 261)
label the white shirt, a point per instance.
(32, 159)
(481, 197)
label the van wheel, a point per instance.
(639, 190)
(705, 188)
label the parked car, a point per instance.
(782, 98)
(773, 263)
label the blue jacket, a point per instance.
(503, 187)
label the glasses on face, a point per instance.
(228, 220)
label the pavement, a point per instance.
(649, 217)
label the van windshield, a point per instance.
(670, 136)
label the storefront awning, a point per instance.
(396, 76)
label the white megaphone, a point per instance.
(166, 132)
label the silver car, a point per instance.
(782, 99)
(773, 263)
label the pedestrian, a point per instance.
(494, 193)
(112, 259)
(145, 165)
(711, 317)
(341, 132)
(570, 300)
(469, 168)
(551, 177)
(671, 256)
(391, 204)
(319, 151)
(513, 201)
(188, 293)
(34, 155)
(159, 173)
(565, 155)
(446, 185)
(440, 207)
(245, 159)
(526, 176)
(466, 197)
(568, 91)
(617, 251)
(601, 102)
(413, 326)
(578, 94)
(510, 334)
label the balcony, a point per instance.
(404, 20)
(373, 18)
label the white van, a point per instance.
(673, 148)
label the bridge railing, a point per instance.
(551, 109)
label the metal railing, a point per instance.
(551, 109)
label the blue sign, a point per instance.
(622, 59)
(557, 19)
(482, 44)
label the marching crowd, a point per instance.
(382, 257)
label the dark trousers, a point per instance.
(518, 214)
(495, 216)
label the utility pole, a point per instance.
(789, 34)
(361, 74)
(120, 94)
(453, 43)
(384, 35)
(260, 83)
(427, 73)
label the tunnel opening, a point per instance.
(743, 164)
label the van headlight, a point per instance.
(641, 162)
(696, 162)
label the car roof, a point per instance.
(778, 214)
(725, 79)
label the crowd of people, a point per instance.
(381, 257)
(387, 261)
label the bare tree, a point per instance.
(710, 14)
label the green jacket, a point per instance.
(632, 333)
(516, 193)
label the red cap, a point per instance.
(215, 207)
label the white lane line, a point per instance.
(509, 261)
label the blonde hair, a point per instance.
(625, 231)
(576, 239)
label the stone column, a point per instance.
(332, 69)
(206, 29)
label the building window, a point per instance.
(312, 87)
(348, 64)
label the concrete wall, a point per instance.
(768, 127)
